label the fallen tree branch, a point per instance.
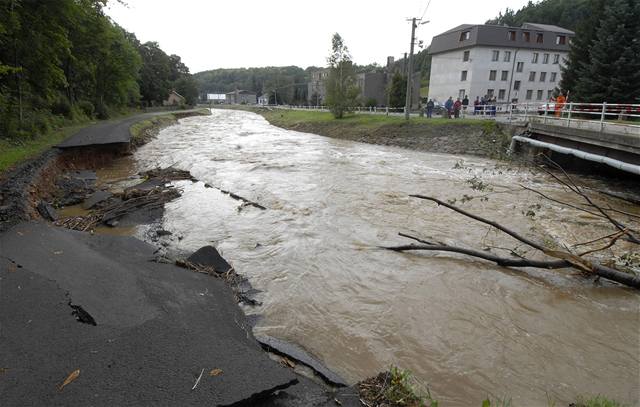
(602, 271)
(562, 202)
(501, 261)
(613, 241)
(564, 259)
(483, 220)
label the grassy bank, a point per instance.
(454, 136)
(15, 151)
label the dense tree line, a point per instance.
(289, 82)
(563, 13)
(65, 60)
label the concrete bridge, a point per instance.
(604, 133)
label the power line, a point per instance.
(425, 9)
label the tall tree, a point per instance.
(342, 91)
(612, 71)
(586, 34)
(397, 90)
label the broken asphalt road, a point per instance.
(157, 327)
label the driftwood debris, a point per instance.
(244, 200)
(559, 259)
(149, 195)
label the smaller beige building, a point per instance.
(174, 99)
(241, 97)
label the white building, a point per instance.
(518, 64)
(216, 97)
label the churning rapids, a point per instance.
(465, 327)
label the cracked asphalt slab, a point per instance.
(157, 328)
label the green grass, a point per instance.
(597, 401)
(292, 117)
(137, 129)
(13, 152)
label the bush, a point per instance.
(41, 124)
(61, 107)
(102, 112)
(87, 108)
(371, 102)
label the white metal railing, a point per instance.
(602, 117)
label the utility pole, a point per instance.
(407, 104)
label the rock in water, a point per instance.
(208, 256)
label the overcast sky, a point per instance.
(210, 34)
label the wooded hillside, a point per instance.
(64, 61)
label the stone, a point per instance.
(208, 256)
(46, 211)
(95, 198)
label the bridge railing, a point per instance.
(602, 117)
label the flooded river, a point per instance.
(465, 327)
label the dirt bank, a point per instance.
(484, 138)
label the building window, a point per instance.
(539, 95)
(539, 38)
(490, 93)
(501, 94)
(556, 58)
(495, 55)
(465, 56)
(532, 76)
(549, 94)
(526, 36)
(463, 76)
(507, 56)
(461, 93)
(516, 85)
(534, 60)
(529, 94)
(553, 77)
(545, 59)
(519, 66)
(543, 76)
(492, 75)
(465, 35)
(511, 35)
(561, 39)
(504, 75)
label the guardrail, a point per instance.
(601, 117)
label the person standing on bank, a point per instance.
(560, 101)
(465, 104)
(448, 105)
(430, 106)
(456, 108)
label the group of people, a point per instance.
(485, 105)
(451, 108)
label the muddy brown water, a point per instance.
(466, 328)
